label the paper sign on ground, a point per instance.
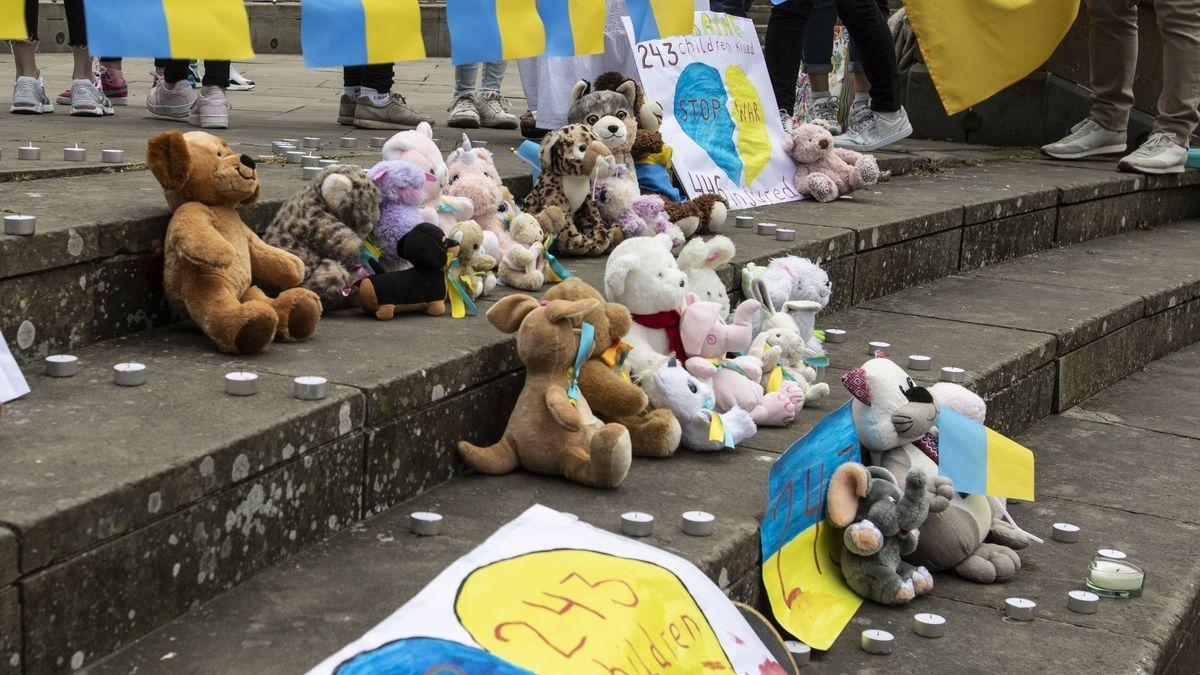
(719, 111)
(549, 594)
(12, 382)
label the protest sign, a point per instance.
(12, 382)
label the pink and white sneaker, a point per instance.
(112, 82)
(172, 102)
(210, 110)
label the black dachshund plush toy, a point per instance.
(420, 288)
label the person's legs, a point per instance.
(378, 107)
(885, 121)
(464, 109)
(210, 110)
(352, 77)
(494, 110)
(29, 91)
(732, 7)
(216, 74)
(784, 52)
(818, 56)
(171, 96)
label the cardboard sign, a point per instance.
(719, 111)
(549, 594)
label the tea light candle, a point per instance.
(62, 365)
(877, 346)
(309, 388)
(698, 523)
(29, 151)
(129, 374)
(1111, 554)
(112, 156)
(785, 234)
(280, 147)
(309, 172)
(835, 335)
(929, 625)
(348, 142)
(312, 142)
(310, 160)
(425, 523)
(1115, 578)
(75, 154)
(294, 156)
(378, 142)
(1083, 602)
(919, 362)
(291, 141)
(241, 383)
(875, 641)
(952, 374)
(767, 228)
(327, 162)
(1066, 533)
(22, 226)
(801, 653)
(743, 221)
(1019, 609)
(637, 524)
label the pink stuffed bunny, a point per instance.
(417, 146)
(471, 174)
(735, 382)
(823, 170)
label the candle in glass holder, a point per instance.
(1115, 578)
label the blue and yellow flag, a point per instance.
(358, 32)
(573, 27)
(494, 30)
(169, 29)
(12, 20)
(657, 19)
(981, 461)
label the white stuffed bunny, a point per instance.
(793, 279)
(700, 260)
(779, 330)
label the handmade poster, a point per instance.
(719, 111)
(12, 382)
(808, 595)
(549, 594)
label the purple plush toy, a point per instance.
(402, 184)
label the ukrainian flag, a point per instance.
(12, 20)
(175, 29)
(573, 27)
(494, 30)
(358, 32)
(982, 461)
(657, 19)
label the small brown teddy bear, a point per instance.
(473, 264)
(210, 255)
(613, 397)
(523, 262)
(824, 171)
(551, 432)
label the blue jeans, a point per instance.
(493, 75)
(731, 7)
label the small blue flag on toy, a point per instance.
(981, 461)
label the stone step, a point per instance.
(174, 492)
(93, 270)
(1091, 472)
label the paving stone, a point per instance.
(48, 313)
(1101, 179)
(10, 630)
(110, 595)
(1137, 401)
(994, 191)
(1075, 316)
(1099, 364)
(886, 270)
(994, 241)
(1113, 215)
(66, 491)
(1022, 404)
(1172, 329)
(129, 296)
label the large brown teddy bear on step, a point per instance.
(612, 396)
(211, 256)
(552, 430)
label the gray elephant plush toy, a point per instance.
(881, 524)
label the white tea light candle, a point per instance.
(929, 625)
(327, 162)
(637, 524)
(378, 141)
(801, 653)
(309, 388)
(1115, 578)
(19, 225)
(294, 156)
(1111, 554)
(1083, 602)
(112, 156)
(919, 362)
(62, 365)
(767, 228)
(875, 641)
(241, 383)
(698, 523)
(835, 335)
(129, 374)
(953, 374)
(310, 160)
(312, 142)
(1019, 609)
(75, 154)
(1066, 533)
(878, 346)
(29, 151)
(743, 221)
(785, 234)
(425, 523)
(349, 142)
(309, 172)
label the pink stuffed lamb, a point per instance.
(735, 382)
(471, 174)
(417, 146)
(823, 170)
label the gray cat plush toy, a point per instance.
(881, 524)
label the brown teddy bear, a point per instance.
(612, 396)
(551, 431)
(210, 255)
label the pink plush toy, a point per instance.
(471, 175)
(417, 146)
(402, 185)
(735, 382)
(823, 170)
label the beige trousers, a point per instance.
(1114, 46)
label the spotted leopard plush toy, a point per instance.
(561, 198)
(324, 225)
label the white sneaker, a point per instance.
(88, 100)
(238, 81)
(874, 130)
(210, 110)
(785, 119)
(494, 112)
(29, 97)
(1086, 139)
(859, 112)
(824, 111)
(1158, 155)
(464, 113)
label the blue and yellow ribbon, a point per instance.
(369, 250)
(718, 430)
(778, 375)
(587, 333)
(725, 363)
(460, 300)
(615, 357)
(557, 271)
(818, 361)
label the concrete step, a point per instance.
(174, 493)
(1118, 465)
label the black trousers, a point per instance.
(76, 26)
(216, 73)
(380, 76)
(866, 21)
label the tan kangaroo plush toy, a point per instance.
(551, 431)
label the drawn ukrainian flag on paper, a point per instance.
(657, 19)
(808, 595)
(12, 20)
(573, 27)
(360, 32)
(494, 30)
(982, 461)
(174, 29)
